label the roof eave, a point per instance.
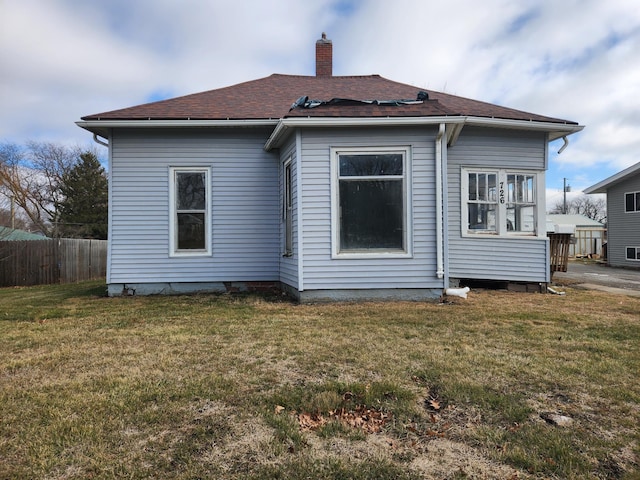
(555, 130)
(102, 127)
(604, 185)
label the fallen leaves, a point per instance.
(369, 420)
(434, 403)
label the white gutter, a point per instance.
(287, 123)
(556, 130)
(440, 139)
(175, 123)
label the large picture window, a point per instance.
(499, 202)
(370, 201)
(190, 214)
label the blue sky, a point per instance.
(571, 59)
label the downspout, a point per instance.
(298, 190)
(439, 204)
(110, 209)
(97, 140)
(566, 144)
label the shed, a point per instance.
(589, 234)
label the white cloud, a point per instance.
(575, 59)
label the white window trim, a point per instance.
(173, 231)
(287, 216)
(501, 210)
(631, 259)
(637, 207)
(407, 252)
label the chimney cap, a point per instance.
(324, 39)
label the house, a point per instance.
(332, 187)
(623, 216)
(589, 234)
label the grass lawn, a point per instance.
(248, 387)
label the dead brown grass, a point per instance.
(187, 387)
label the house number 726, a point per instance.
(501, 192)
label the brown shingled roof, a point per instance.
(271, 98)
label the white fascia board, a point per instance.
(287, 123)
(555, 130)
(93, 125)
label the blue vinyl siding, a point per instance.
(289, 265)
(523, 259)
(244, 206)
(321, 271)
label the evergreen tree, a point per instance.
(83, 211)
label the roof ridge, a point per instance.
(372, 75)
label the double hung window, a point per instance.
(498, 202)
(633, 253)
(370, 209)
(190, 198)
(482, 201)
(521, 203)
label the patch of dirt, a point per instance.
(246, 446)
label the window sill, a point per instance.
(190, 254)
(495, 235)
(360, 255)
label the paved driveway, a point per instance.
(600, 277)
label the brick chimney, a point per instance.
(324, 57)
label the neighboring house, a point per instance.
(623, 216)
(589, 234)
(333, 187)
(11, 234)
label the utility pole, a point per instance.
(13, 212)
(565, 189)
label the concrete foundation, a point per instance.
(307, 296)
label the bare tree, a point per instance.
(594, 208)
(32, 177)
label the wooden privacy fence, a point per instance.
(64, 260)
